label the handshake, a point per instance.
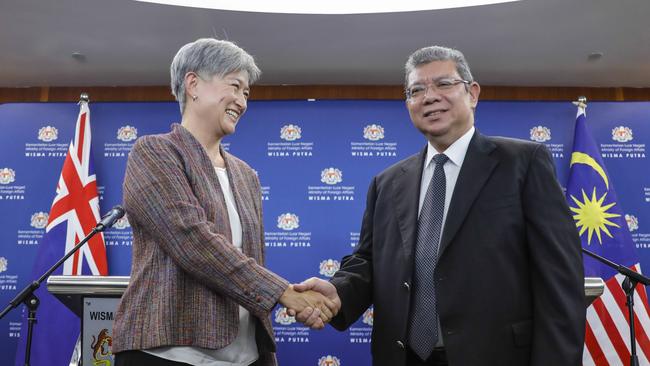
(313, 302)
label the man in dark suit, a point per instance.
(467, 249)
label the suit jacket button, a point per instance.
(400, 344)
(406, 286)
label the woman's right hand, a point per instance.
(299, 301)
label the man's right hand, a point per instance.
(310, 316)
(313, 302)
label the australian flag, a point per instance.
(74, 213)
(604, 230)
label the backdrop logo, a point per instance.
(328, 267)
(329, 361)
(373, 132)
(632, 222)
(288, 221)
(7, 175)
(369, 316)
(331, 176)
(127, 133)
(122, 223)
(48, 134)
(39, 220)
(101, 346)
(290, 132)
(281, 316)
(622, 134)
(540, 133)
(3, 264)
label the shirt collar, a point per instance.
(455, 152)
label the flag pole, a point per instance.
(581, 102)
(84, 98)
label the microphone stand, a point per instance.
(631, 280)
(27, 296)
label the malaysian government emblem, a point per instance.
(331, 176)
(39, 220)
(622, 134)
(290, 132)
(373, 132)
(127, 133)
(7, 175)
(368, 316)
(281, 316)
(122, 223)
(632, 222)
(540, 134)
(288, 221)
(328, 267)
(329, 361)
(48, 134)
(3, 264)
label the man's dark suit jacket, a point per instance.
(509, 278)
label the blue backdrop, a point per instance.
(314, 159)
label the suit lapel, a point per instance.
(406, 187)
(477, 168)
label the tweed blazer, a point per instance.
(187, 278)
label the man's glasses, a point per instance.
(418, 91)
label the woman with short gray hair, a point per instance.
(199, 293)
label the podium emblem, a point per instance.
(101, 346)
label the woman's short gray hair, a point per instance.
(208, 57)
(437, 53)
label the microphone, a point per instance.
(109, 219)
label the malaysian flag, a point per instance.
(603, 230)
(74, 213)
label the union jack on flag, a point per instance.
(603, 230)
(77, 203)
(73, 215)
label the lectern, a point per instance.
(94, 299)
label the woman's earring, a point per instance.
(194, 97)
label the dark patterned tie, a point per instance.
(423, 324)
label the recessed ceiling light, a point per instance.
(595, 56)
(78, 56)
(326, 7)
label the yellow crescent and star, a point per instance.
(591, 215)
